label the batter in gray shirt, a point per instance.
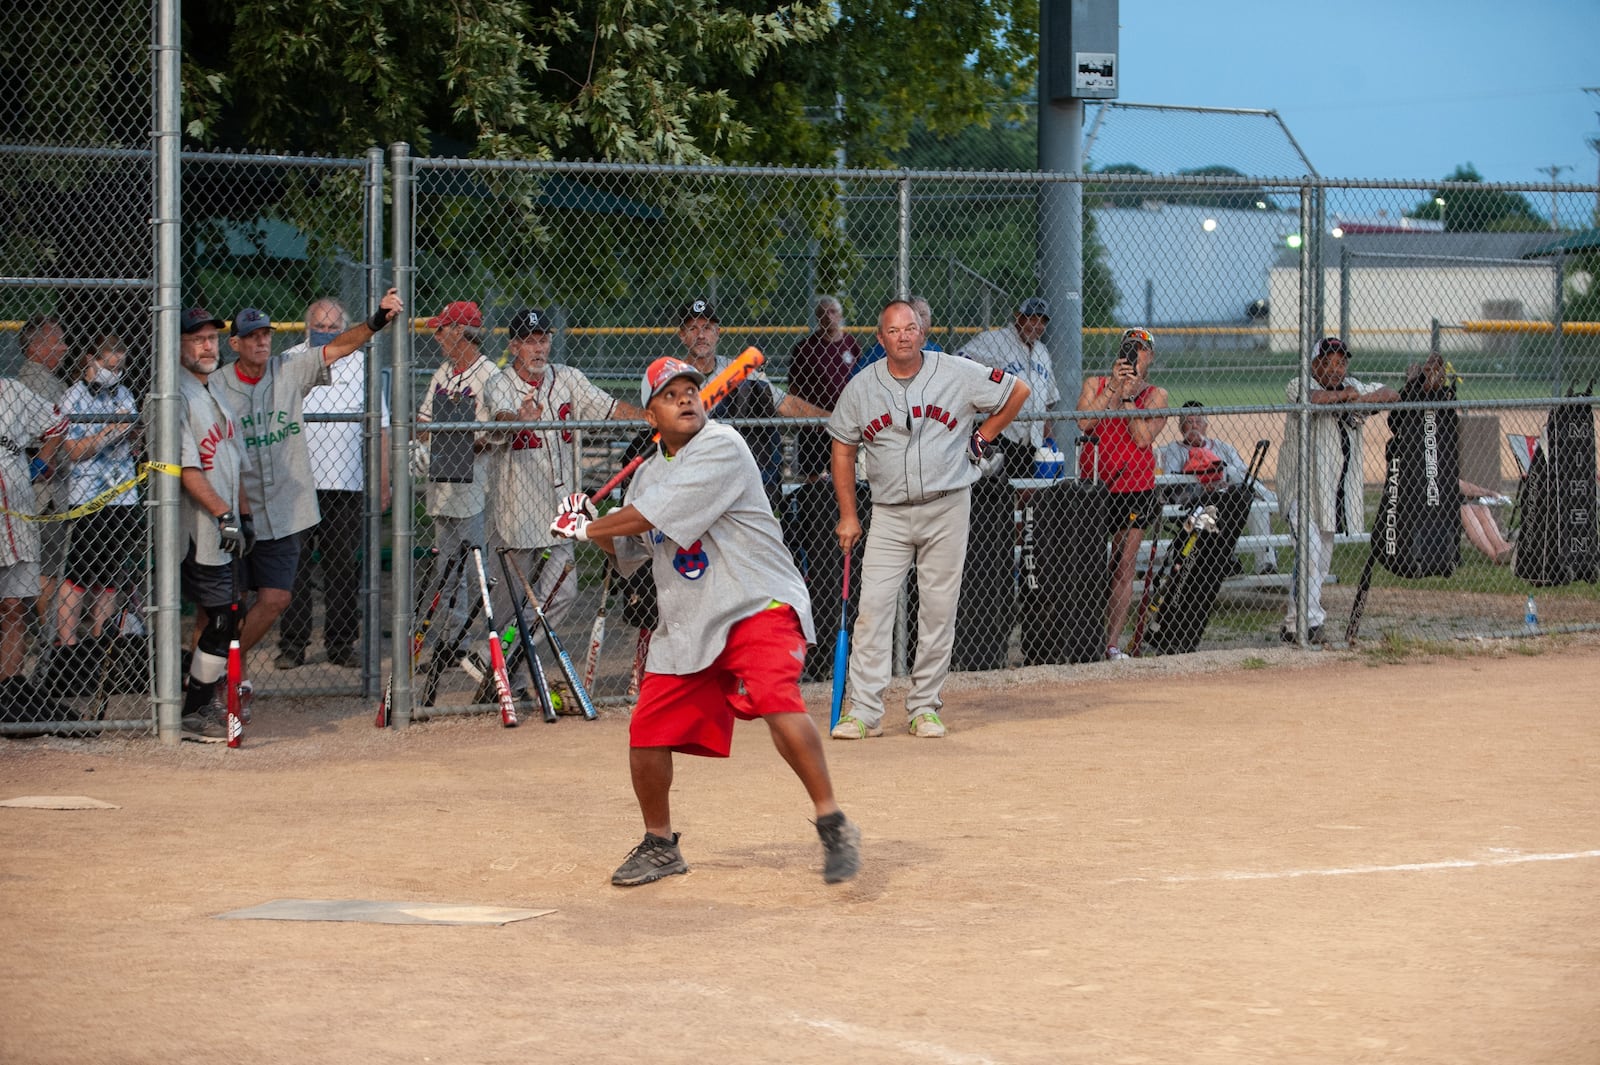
(277, 478)
(716, 551)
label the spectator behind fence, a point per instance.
(819, 366)
(456, 464)
(216, 521)
(699, 331)
(914, 414)
(26, 420)
(1335, 503)
(268, 391)
(43, 342)
(924, 313)
(535, 469)
(338, 471)
(1124, 459)
(102, 457)
(1180, 455)
(1017, 349)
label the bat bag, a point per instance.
(1417, 530)
(1558, 544)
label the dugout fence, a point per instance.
(1235, 270)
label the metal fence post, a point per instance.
(1310, 273)
(401, 621)
(902, 269)
(372, 431)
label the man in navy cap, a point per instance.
(1019, 349)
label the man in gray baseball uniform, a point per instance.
(268, 391)
(735, 618)
(913, 415)
(1019, 350)
(534, 469)
(216, 520)
(43, 342)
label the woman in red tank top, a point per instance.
(1126, 461)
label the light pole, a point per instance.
(1439, 202)
(1554, 172)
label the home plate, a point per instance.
(373, 912)
(58, 802)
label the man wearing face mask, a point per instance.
(535, 469)
(269, 391)
(102, 454)
(338, 472)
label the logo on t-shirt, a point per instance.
(997, 376)
(691, 561)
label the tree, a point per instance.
(1478, 210)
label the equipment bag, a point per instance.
(1558, 543)
(1417, 530)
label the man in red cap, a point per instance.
(458, 464)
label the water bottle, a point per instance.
(1530, 617)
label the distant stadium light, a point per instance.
(1336, 232)
(1293, 240)
(1209, 224)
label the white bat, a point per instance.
(597, 634)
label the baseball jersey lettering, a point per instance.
(276, 480)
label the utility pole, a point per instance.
(1594, 142)
(1554, 172)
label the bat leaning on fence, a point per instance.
(525, 644)
(419, 631)
(568, 670)
(597, 633)
(497, 658)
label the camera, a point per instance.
(1129, 353)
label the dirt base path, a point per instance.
(1323, 860)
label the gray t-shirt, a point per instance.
(913, 434)
(716, 552)
(210, 443)
(277, 478)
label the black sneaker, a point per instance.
(289, 659)
(208, 726)
(652, 859)
(343, 656)
(841, 848)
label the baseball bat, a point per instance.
(529, 649)
(568, 670)
(841, 646)
(419, 631)
(712, 392)
(443, 652)
(517, 648)
(497, 658)
(1359, 607)
(641, 652)
(597, 633)
(1144, 600)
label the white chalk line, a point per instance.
(1511, 858)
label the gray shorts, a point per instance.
(273, 563)
(55, 538)
(20, 581)
(213, 587)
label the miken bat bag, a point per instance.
(1558, 544)
(1417, 530)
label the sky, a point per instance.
(1387, 88)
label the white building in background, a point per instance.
(1401, 281)
(1180, 264)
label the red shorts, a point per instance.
(757, 673)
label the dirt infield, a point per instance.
(1230, 858)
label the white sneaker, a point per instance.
(926, 726)
(853, 728)
(1114, 655)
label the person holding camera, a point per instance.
(1334, 492)
(1125, 461)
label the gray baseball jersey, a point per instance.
(716, 551)
(25, 418)
(533, 468)
(48, 386)
(1003, 349)
(914, 434)
(459, 499)
(210, 443)
(277, 476)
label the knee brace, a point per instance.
(211, 656)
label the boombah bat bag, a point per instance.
(1558, 544)
(1417, 530)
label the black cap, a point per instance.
(195, 317)
(1034, 307)
(697, 309)
(249, 320)
(527, 322)
(1330, 346)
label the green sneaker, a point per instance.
(926, 726)
(853, 728)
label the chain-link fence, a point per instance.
(1449, 497)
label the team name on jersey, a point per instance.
(208, 444)
(929, 413)
(277, 425)
(530, 439)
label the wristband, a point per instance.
(379, 319)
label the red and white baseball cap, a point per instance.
(1204, 464)
(663, 371)
(461, 312)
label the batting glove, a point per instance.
(978, 448)
(229, 532)
(572, 525)
(578, 503)
(247, 534)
